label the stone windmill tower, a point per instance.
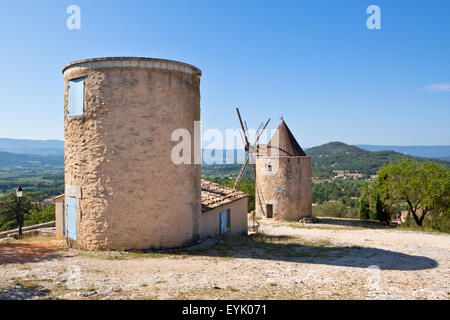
(122, 188)
(282, 173)
(283, 178)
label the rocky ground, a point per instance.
(334, 259)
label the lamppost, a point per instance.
(19, 193)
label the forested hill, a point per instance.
(17, 162)
(38, 147)
(341, 156)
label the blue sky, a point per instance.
(315, 62)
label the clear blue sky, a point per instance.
(315, 62)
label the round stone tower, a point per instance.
(283, 178)
(122, 188)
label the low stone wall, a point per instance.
(6, 233)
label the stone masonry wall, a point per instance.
(287, 187)
(119, 154)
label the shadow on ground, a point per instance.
(292, 249)
(17, 292)
(353, 223)
(26, 252)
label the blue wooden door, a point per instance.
(64, 217)
(72, 218)
(223, 222)
(76, 97)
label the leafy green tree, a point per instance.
(364, 209)
(247, 185)
(331, 209)
(8, 210)
(381, 212)
(39, 215)
(423, 187)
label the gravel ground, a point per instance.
(329, 260)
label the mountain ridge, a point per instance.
(15, 161)
(32, 147)
(56, 147)
(340, 156)
(437, 151)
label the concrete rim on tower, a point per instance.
(123, 62)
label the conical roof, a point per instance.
(283, 143)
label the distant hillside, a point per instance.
(38, 147)
(18, 162)
(438, 152)
(340, 156)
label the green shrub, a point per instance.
(438, 222)
(364, 210)
(331, 209)
(39, 215)
(380, 213)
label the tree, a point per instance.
(39, 215)
(8, 210)
(364, 209)
(422, 187)
(247, 185)
(331, 209)
(381, 212)
(364, 204)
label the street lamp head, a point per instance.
(19, 192)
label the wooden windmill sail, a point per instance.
(249, 148)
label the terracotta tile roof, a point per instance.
(215, 195)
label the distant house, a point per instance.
(224, 211)
(321, 180)
(45, 202)
(344, 174)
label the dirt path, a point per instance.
(289, 261)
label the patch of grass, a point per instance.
(319, 243)
(129, 254)
(425, 229)
(27, 284)
(299, 225)
(255, 293)
(59, 290)
(32, 238)
(262, 246)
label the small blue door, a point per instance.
(76, 97)
(64, 217)
(223, 222)
(72, 218)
